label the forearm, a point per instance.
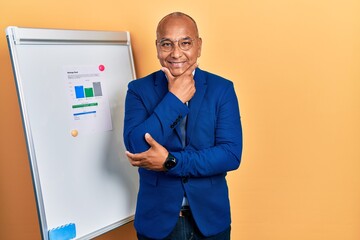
(160, 122)
(208, 162)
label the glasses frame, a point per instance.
(173, 44)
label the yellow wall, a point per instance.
(296, 67)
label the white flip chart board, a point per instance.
(71, 86)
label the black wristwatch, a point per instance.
(170, 162)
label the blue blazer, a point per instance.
(213, 147)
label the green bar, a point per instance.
(85, 105)
(89, 92)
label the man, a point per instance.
(182, 129)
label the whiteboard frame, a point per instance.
(24, 36)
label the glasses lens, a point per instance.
(185, 44)
(166, 45)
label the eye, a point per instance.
(186, 43)
(166, 44)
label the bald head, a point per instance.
(176, 16)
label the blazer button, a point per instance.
(185, 179)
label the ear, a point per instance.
(157, 50)
(199, 46)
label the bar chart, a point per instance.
(88, 92)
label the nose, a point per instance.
(176, 52)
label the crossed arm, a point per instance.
(223, 156)
(183, 87)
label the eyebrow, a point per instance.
(168, 39)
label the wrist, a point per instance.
(170, 162)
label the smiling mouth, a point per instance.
(176, 64)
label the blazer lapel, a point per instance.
(160, 82)
(195, 102)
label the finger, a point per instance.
(129, 154)
(131, 160)
(191, 68)
(134, 157)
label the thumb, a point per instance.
(149, 139)
(168, 74)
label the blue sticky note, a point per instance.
(64, 232)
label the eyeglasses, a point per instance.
(167, 45)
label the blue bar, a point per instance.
(63, 232)
(83, 113)
(79, 91)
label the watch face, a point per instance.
(170, 162)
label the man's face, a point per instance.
(171, 31)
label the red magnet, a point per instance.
(101, 67)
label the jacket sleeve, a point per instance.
(141, 119)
